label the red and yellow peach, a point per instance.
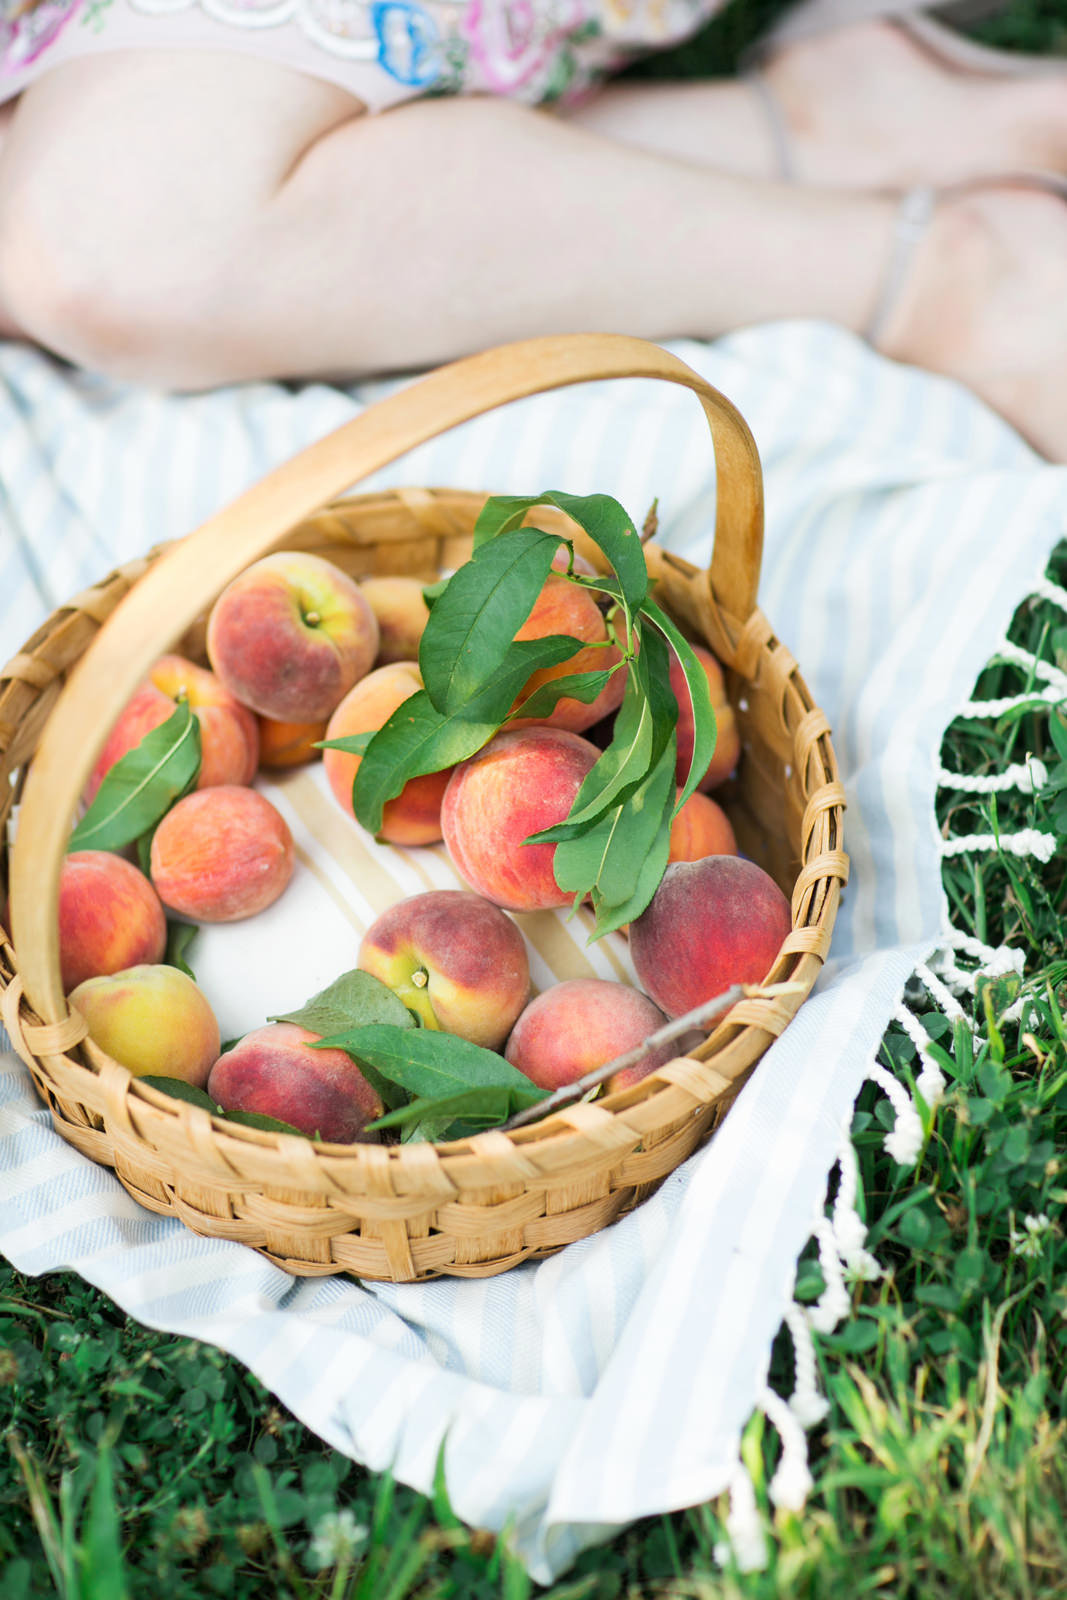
(701, 828)
(221, 854)
(401, 611)
(521, 782)
(290, 635)
(274, 1071)
(110, 917)
(581, 1024)
(711, 924)
(414, 815)
(288, 744)
(563, 607)
(153, 1020)
(455, 960)
(229, 737)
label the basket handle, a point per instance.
(186, 577)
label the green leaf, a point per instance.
(102, 1569)
(1058, 731)
(601, 517)
(144, 852)
(643, 725)
(418, 738)
(260, 1120)
(433, 592)
(583, 686)
(142, 785)
(609, 857)
(354, 1000)
(488, 1105)
(429, 1130)
(178, 1089)
(476, 618)
(427, 1064)
(500, 514)
(354, 743)
(608, 918)
(704, 726)
(610, 527)
(180, 936)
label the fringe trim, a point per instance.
(955, 969)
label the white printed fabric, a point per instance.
(905, 522)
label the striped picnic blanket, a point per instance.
(905, 523)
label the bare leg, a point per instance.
(278, 233)
(864, 106)
(273, 234)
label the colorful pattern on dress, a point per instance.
(532, 50)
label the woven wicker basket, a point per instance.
(411, 1211)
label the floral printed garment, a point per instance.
(382, 51)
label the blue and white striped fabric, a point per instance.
(905, 522)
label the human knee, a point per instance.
(87, 292)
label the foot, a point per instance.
(867, 106)
(986, 303)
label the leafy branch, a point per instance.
(613, 845)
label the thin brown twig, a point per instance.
(700, 1015)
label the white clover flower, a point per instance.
(1027, 1241)
(336, 1538)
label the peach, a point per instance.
(153, 1020)
(221, 854)
(273, 1070)
(288, 744)
(110, 917)
(520, 782)
(401, 612)
(414, 815)
(711, 923)
(701, 828)
(455, 960)
(563, 607)
(582, 1024)
(229, 737)
(290, 635)
(728, 743)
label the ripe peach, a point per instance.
(711, 923)
(110, 917)
(221, 854)
(229, 737)
(520, 782)
(728, 744)
(288, 744)
(291, 635)
(581, 1024)
(274, 1070)
(701, 828)
(401, 612)
(454, 959)
(153, 1020)
(562, 607)
(414, 815)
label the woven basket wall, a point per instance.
(412, 1211)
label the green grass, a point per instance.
(134, 1464)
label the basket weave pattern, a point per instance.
(477, 1206)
